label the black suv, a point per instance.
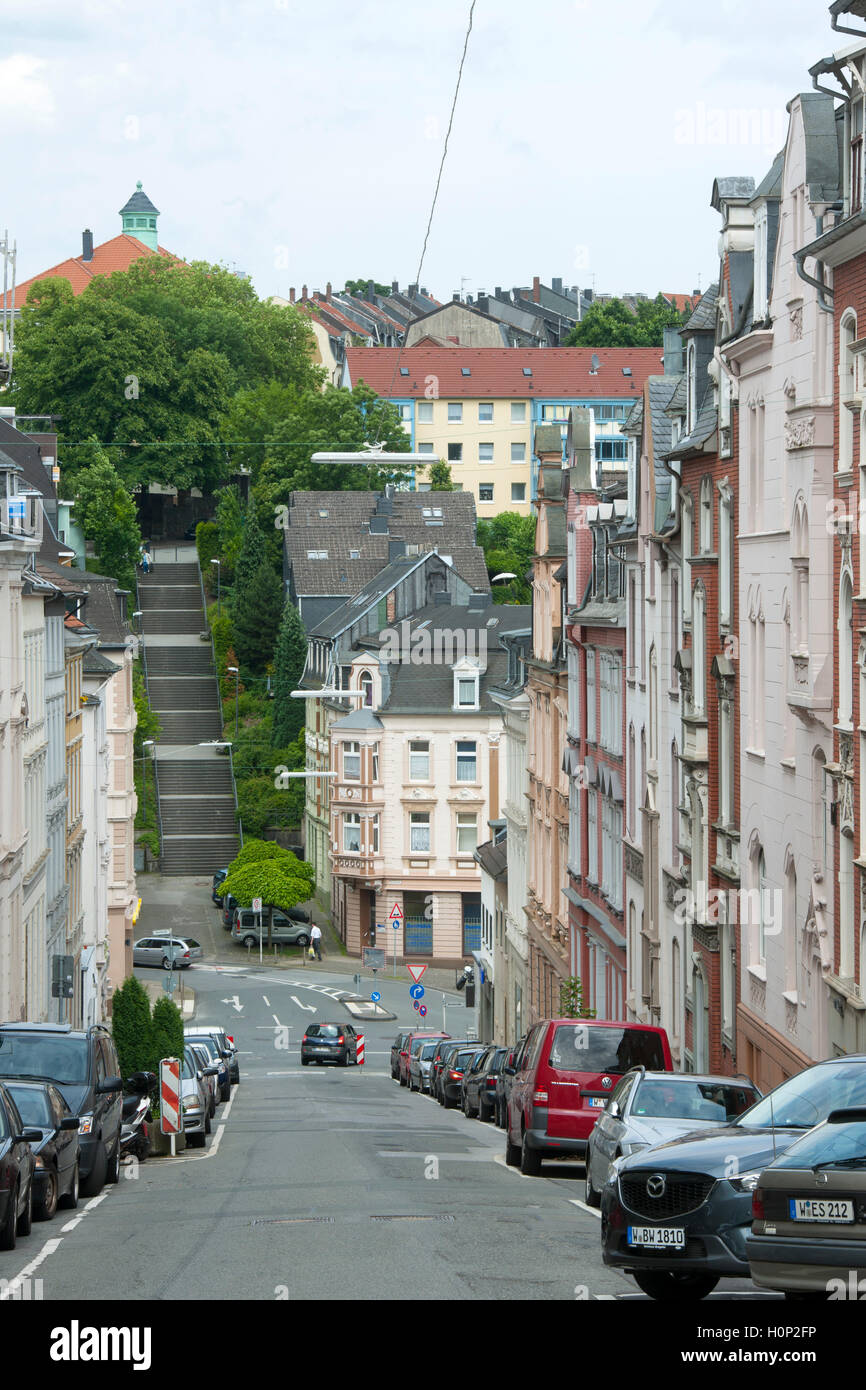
(83, 1065)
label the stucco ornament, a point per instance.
(800, 434)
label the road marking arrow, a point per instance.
(309, 1007)
(235, 1003)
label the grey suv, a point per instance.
(83, 1065)
(285, 932)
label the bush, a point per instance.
(167, 1038)
(207, 543)
(132, 1027)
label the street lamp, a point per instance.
(233, 670)
(326, 692)
(148, 743)
(219, 573)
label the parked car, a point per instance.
(194, 1101)
(203, 1038)
(676, 1217)
(226, 1044)
(457, 1061)
(479, 1083)
(507, 1072)
(195, 948)
(396, 1049)
(17, 1166)
(209, 1074)
(329, 1042)
(406, 1050)
(808, 1236)
(648, 1108)
(169, 952)
(444, 1046)
(219, 877)
(55, 1177)
(285, 932)
(83, 1065)
(230, 906)
(420, 1063)
(567, 1072)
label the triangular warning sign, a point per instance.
(416, 971)
(396, 912)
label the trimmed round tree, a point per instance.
(166, 1033)
(132, 1027)
(276, 880)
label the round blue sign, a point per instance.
(417, 992)
(375, 996)
(418, 1006)
(422, 1009)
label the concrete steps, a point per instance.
(166, 621)
(185, 854)
(179, 661)
(191, 692)
(190, 726)
(194, 777)
(210, 814)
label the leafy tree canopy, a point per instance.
(152, 356)
(508, 542)
(107, 515)
(440, 477)
(359, 287)
(289, 660)
(613, 324)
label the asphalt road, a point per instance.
(325, 1182)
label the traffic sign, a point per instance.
(169, 983)
(396, 912)
(396, 926)
(416, 1006)
(422, 1009)
(416, 971)
(257, 904)
(417, 992)
(375, 996)
(170, 1119)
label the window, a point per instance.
(699, 651)
(404, 371)
(419, 832)
(465, 371)
(405, 412)
(592, 834)
(726, 557)
(419, 760)
(352, 833)
(590, 695)
(726, 763)
(847, 336)
(632, 759)
(760, 264)
(425, 412)
(485, 492)
(675, 625)
(354, 554)
(467, 762)
(455, 453)
(485, 453)
(467, 832)
(691, 386)
(485, 411)
(374, 834)
(846, 655)
(856, 156)
(706, 518)
(611, 450)
(466, 692)
(686, 528)
(518, 412)
(610, 676)
(653, 704)
(455, 412)
(527, 371)
(375, 762)
(518, 453)
(317, 554)
(366, 684)
(518, 492)
(352, 762)
(425, 448)
(761, 884)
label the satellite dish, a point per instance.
(595, 363)
(506, 574)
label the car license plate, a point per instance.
(657, 1237)
(819, 1209)
(596, 1102)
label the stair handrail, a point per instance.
(235, 792)
(219, 698)
(142, 647)
(158, 804)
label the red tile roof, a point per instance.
(559, 373)
(682, 301)
(322, 310)
(116, 254)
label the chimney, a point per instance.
(455, 299)
(413, 290)
(498, 292)
(371, 290)
(303, 294)
(536, 290)
(87, 245)
(424, 291)
(395, 286)
(328, 291)
(556, 284)
(292, 295)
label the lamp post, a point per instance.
(233, 670)
(148, 743)
(219, 574)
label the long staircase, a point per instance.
(195, 793)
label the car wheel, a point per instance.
(466, 1111)
(305, 1061)
(112, 1173)
(207, 1124)
(344, 1060)
(483, 1110)
(44, 1209)
(302, 941)
(7, 1234)
(226, 1091)
(95, 1180)
(166, 963)
(590, 1196)
(25, 1220)
(669, 1287)
(530, 1160)
(512, 1151)
(69, 1200)
(197, 1140)
(250, 941)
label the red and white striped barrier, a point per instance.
(170, 1121)
(360, 1049)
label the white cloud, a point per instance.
(24, 96)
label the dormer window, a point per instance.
(760, 286)
(466, 681)
(366, 684)
(317, 554)
(691, 386)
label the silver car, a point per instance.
(208, 1068)
(195, 948)
(165, 951)
(420, 1065)
(654, 1107)
(194, 1099)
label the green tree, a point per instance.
(167, 1039)
(147, 723)
(612, 324)
(256, 618)
(440, 477)
(571, 1000)
(508, 542)
(253, 554)
(108, 517)
(131, 1027)
(207, 543)
(279, 880)
(289, 660)
(359, 287)
(150, 358)
(230, 526)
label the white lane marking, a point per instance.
(576, 1202)
(309, 1008)
(94, 1201)
(276, 1020)
(267, 1000)
(216, 1143)
(70, 1225)
(500, 1159)
(8, 1290)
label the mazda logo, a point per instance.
(656, 1185)
(606, 1082)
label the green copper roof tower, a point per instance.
(139, 218)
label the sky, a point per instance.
(299, 141)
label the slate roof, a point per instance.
(359, 719)
(429, 688)
(730, 189)
(116, 254)
(704, 316)
(375, 589)
(678, 401)
(139, 202)
(823, 175)
(102, 610)
(703, 429)
(493, 857)
(498, 372)
(771, 184)
(548, 440)
(95, 664)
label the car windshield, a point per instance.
(187, 1070)
(830, 1144)
(461, 1060)
(427, 1051)
(692, 1100)
(209, 1046)
(581, 1047)
(33, 1106)
(806, 1099)
(62, 1058)
(323, 1030)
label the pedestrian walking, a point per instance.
(316, 941)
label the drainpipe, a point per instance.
(844, 28)
(819, 284)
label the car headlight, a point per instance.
(190, 1103)
(39, 1161)
(746, 1182)
(86, 1124)
(633, 1146)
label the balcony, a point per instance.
(21, 519)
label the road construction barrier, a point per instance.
(170, 1121)
(360, 1049)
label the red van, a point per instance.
(568, 1070)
